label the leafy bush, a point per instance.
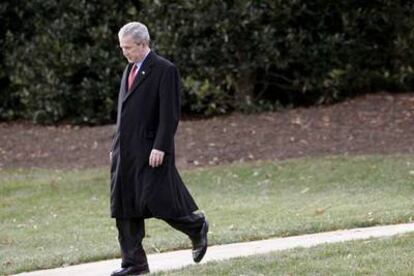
(289, 52)
(60, 60)
(63, 63)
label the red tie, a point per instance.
(132, 75)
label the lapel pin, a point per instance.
(143, 72)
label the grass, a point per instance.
(52, 218)
(390, 256)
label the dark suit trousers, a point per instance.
(131, 232)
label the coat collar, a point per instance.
(143, 73)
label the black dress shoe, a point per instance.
(200, 243)
(131, 270)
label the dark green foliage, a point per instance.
(248, 55)
(60, 62)
(63, 61)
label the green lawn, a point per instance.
(391, 256)
(50, 218)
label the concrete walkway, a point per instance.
(181, 258)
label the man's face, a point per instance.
(132, 51)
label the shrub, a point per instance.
(60, 61)
(63, 63)
(293, 52)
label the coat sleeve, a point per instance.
(169, 109)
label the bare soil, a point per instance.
(371, 124)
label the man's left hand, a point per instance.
(156, 158)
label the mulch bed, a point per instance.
(371, 124)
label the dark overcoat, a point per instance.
(147, 119)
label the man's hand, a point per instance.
(156, 158)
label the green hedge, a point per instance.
(60, 59)
(244, 53)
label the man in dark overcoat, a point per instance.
(144, 180)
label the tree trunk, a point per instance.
(244, 88)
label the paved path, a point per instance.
(181, 258)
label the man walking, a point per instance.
(144, 180)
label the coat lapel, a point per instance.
(124, 82)
(143, 73)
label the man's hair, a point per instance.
(136, 30)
